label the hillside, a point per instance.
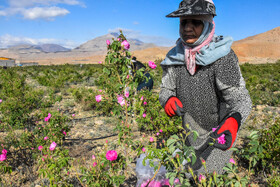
(259, 48)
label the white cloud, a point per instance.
(9, 40)
(158, 40)
(31, 3)
(3, 13)
(44, 12)
(38, 9)
(135, 23)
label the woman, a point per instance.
(202, 82)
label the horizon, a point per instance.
(19, 44)
(70, 23)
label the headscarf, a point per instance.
(195, 53)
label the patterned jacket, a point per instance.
(212, 93)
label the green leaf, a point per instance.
(193, 158)
(170, 142)
(226, 168)
(195, 135)
(171, 180)
(237, 184)
(105, 70)
(233, 149)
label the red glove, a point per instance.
(229, 127)
(173, 107)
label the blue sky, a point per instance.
(73, 22)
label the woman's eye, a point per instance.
(194, 22)
(184, 22)
(197, 22)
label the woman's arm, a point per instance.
(168, 84)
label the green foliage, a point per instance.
(262, 149)
(18, 99)
(54, 165)
(263, 83)
(104, 172)
(156, 117)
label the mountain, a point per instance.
(261, 48)
(53, 48)
(98, 45)
(44, 48)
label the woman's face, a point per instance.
(190, 28)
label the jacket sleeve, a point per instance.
(168, 84)
(231, 86)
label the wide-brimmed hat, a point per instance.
(194, 7)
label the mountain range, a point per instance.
(260, 48)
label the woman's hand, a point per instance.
(174, 107)
(229, 127)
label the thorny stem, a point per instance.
(238, 178)
(154, 175)
(249, 172)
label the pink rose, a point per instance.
(73, 115)
(93, 157)
(177, 181)
(201, 178)
(43, 159)
(157, 133)
(52, 146)
(165, 182)
(99, 62)
(108, 42)
(155, 184)
(145, 103)
(4, 151)
(3, 157)
(126, 94)
(49, 115)
(145, 184)
(119, 39)
(121, 100)
(221, 139)
(64, 133)
(40, 148)
(152, 65)
(143, 149)
(142, 98)
(98, 98)
(232, 161)
(160, 130)
(47, 119)
(125, 45)
(0, 100)
(144, 115)
(94, 164)
(151, 139)
(111, 155)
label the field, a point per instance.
(58, 123)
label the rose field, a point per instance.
(86, 125)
